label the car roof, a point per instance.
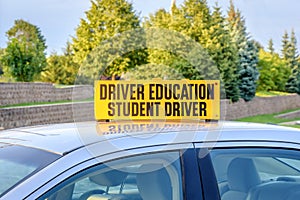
(64, 138)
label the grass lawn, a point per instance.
(271, 118)
(45, 103)
(63, 86)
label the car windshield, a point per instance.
(17, 163)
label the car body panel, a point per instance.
(63, 138)
(81, 146)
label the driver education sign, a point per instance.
(157, 99)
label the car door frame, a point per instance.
(192, 187)
(208, 177)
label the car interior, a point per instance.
(146, 180)
(255, 177)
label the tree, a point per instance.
(2, 51)
(224, 53)
(61, 69)
(195, 20)
(180, 54)
(285, 45)
(25, 56)
(54, 71)
(166, 59)
(151, 71)
(198, 18)
(248, 72)
(293, 83)
(70, 66)
(271, 46)
(247, 53)
(290, 55)
(160, 19)
(237, 27)
(104, 20)
(274, 72)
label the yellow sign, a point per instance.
(157, 99)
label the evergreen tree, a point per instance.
(291, 55)
(61, 69)
(258, 45)
(237, 27)
(248, 72)
(106, 19)
(271, 46)
(293, 83)
(54, 72)
(285, 46)
(181, 54)
(160, 19)
(209, 31)
(70, 66)
(293, 52)
(25, 56)
(247, 53)
(2, 51)
(198, 20)
(224, 53)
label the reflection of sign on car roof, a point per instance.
(128, 127)
(157, 99)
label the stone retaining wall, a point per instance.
(17, 93)
(259, 106)
(47, 114)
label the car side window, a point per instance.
(257, 174)
(149, 176)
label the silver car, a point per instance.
(156, 161)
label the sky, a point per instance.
(58, 19)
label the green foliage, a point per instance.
(24, 57)
(214, 57)
(290, 50)
(173, 49)
(2, 51)
(237, 27)
(61, 69)
(160, 19)
(224, 54)
(70, 66)
(151, 71)
(114, 57)
(285, 46)
(53, 71)
(271, 46)
(291, 56)
(247, 53)
(293, 82)
(248, 73)
(198, 19)
(274, 72)
(107, 19)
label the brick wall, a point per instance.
(16, 93)
(260, 105)
(35, 115)
(45, 114)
